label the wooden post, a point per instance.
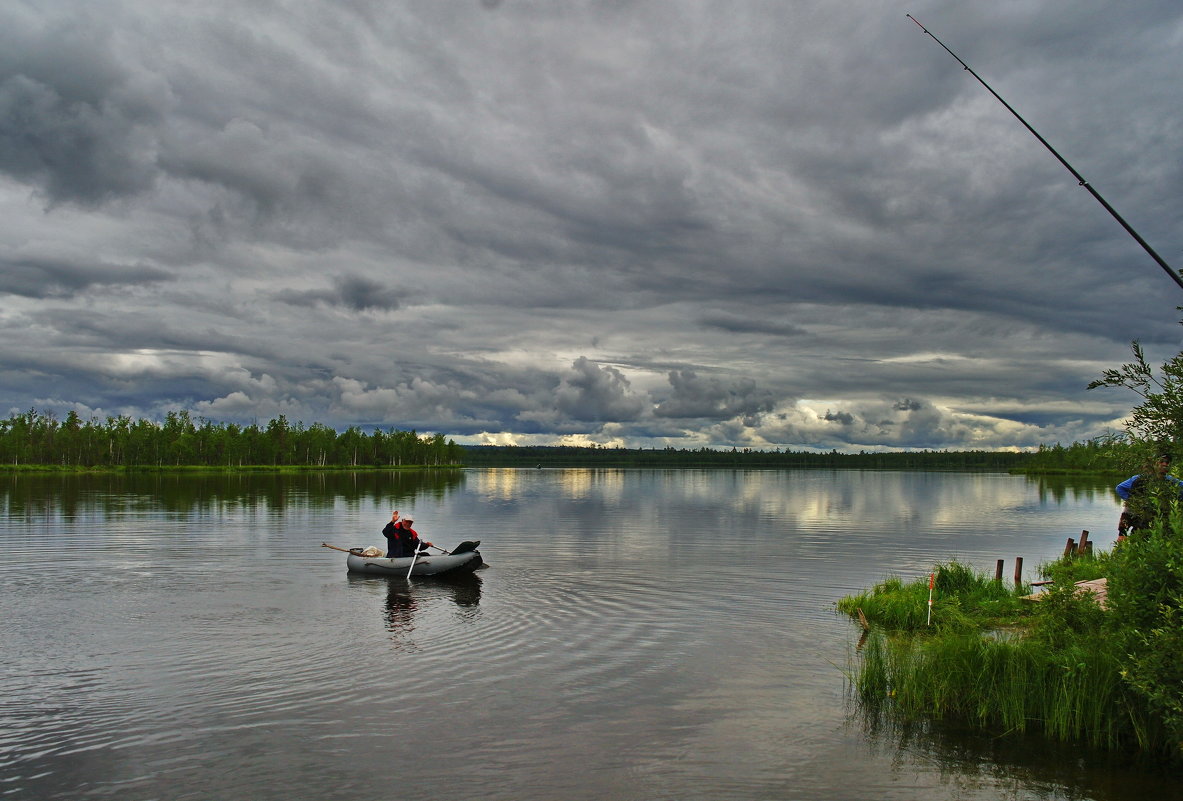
(1070, 548)
(998, 571)
(1083, 546)
(1018, 571)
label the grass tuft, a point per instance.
(963, 599)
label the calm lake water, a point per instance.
(640, 634)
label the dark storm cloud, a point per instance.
(352, 292)
(842, 418)
(72, 118)
(710, 398)
(760, 223)
(740, 324)
(101, 331)
(360, 293)
(592, 393)
(44, 278)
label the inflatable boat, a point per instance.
(465, 558)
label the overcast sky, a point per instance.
(752, 223)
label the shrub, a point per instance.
(1146, 600)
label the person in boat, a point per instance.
(1146, 496)
(401, 539)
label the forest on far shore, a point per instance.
(568, 456)
(39, 439)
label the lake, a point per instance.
(639, 634)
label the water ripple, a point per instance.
(639, 635)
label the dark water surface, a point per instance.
(639, 635)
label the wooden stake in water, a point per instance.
(932, 581)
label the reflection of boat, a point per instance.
(464, 559)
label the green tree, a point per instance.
(1146, 578)
(1158, 420)
(319, 441)
(279, 440)
(350, 447)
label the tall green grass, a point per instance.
(1007, 685)
(1062, 666)
(1085, 567)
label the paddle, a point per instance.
(415, 558)
(335, 548)
(357, 550)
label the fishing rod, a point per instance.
(1080, 178)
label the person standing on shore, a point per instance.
(1146, 496)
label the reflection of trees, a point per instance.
(1046, 769)
(185, 493)
(1087, 487)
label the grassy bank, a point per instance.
(1110, 676)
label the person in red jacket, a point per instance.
(401, 539)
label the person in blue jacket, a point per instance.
(1146, 495)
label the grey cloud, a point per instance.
(81, 152)
(360, 294)
(147, 333)
(589, 392)
(768, 224)
(49, 278)
(73, 120)
(710, 398)
(749, 325)
(352, 292)
(877, 424)
(914, 423)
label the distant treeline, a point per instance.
(1111, 454)
(40, 439)
(35, 438)
(519, 456)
